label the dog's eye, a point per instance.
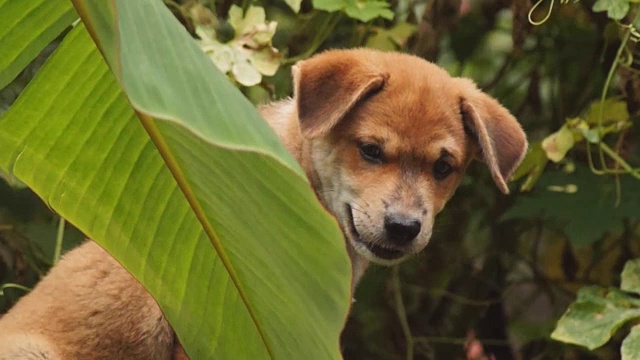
(442, 169)
(371, 153)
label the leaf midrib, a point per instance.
(158, 139)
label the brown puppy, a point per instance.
(384, 139)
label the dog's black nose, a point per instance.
(401, 229)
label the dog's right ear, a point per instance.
(502, 143)
(327, 86)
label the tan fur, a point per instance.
(416, 112)
(89, 307)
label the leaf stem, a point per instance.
(625, 165)
(402, 314)
(59, 237)
(605, 89)
(603, 148)
(13, 286)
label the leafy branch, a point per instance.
(599, 312)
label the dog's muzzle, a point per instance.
(381, 254)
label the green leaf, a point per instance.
(593, 317)
(227, 235)
(330, 5)
(616, 9)
(391, 39)
(26, 27)
(532, 166)
(367, 10)
(592, 135)
(630, 277)
(363, 10)
(630, 349)
(558, 144)
(587, 212)
(612, 110)
(294, 5)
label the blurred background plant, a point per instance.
(500, 270)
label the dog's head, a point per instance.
(389, 137)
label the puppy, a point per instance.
(383, 137)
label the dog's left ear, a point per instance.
(501, 140)
(329, 85)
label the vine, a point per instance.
(547, 16)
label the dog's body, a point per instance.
(87, 307)
(384, 139)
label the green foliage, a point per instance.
(612, 111)
(630, 277)
(250, 54)
(595, 316)
(532, 166)
(588, 208)
(499, 271)
(558, 144)
(602, 118)
(391, 39)
(294, 5)
(616, 9)
(630, 349)
(26, 27)
(598, 313)
(363, 10)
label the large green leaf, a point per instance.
(26, 27)
(588, 203)
(594, 317)
(275, 283)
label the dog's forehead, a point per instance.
(420, 91)
(411, 71)
(418, 108)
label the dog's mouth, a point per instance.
(383, 255)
